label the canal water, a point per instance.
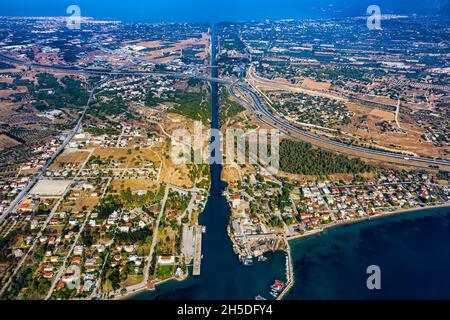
(222, 275)
(411, 249)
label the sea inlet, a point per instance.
(223, 276)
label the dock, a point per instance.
(289, 272)
(197, 250)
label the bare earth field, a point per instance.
(6, 109)
(173, 51)
(8, 92)
(407, 139)
(150, 44)
(6, 142)
(85, 201)
(134, 185)
(311, 84)
(6, 80)
(70, 156)
(382, 115)
(129, 157)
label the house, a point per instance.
(71, 278)
(87, 286)
(166, 260)
(34, 224)
(78, 250)
(52, 240)
(90, 262)
(76, 260)
(142, 224)
(18, 253)
(235, 200)
(199, 199)
(124, 229)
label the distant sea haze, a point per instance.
(216, 11)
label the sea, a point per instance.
(411, 251)
(211, 11)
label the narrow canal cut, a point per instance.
(222, 275)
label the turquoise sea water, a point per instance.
(212, 11)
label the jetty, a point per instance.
(197, 250)
(289, 272)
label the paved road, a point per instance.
(24, 193)
(397, 113)
(144, 283)
(196, 269)
(62, 268)
(260, 109)
(109, 72)
(35, 240)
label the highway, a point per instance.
(261, 111)
(108, 72)
(105, 72)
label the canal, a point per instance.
(222, 275)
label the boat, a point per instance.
(247, 262)
(275, 295)
(259, 297)
(279, 283)
(277, 286)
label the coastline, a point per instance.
(359, 220)
(143, 289)
(289, 265)
(343, 223)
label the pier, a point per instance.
(197, 250)
(289, 272)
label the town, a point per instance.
(93, 204)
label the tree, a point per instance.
(301, 158)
